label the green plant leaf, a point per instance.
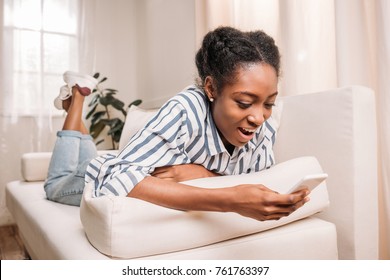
(94, 100)
(92, 111)
(96, 129)
(135, 103)
(100, 141)
(114, 122)
(97, 116)
(106, 121)
(96, 75)
(106, 100)
(109, 93)
(116, 130)
(115, 125)
(103, 80)
(117, 104)
(111, 90)
(117, 135)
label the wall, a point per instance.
(165, 48)
(149, 52)
(115, 45)
(146, 48)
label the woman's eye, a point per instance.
(243, 105)
(269, 105)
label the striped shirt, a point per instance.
(182, 132)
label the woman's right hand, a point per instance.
(261, 203)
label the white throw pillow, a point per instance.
(123, 227)
(136, 119)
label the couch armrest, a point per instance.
(34, 166)
(338, 127)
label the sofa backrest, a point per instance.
(338, 127)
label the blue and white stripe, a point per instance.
(182, 132)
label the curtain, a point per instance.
(324, 44)
(87, 43)
(383, 105)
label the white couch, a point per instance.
(333, 131)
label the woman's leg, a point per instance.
(87, 148)
(72, 152)
(73, 120)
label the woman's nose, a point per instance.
(256, 118)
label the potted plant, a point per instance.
(100, 112)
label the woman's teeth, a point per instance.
(247, 131)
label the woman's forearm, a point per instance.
(182, 197)
(183, 172)
(254, 201)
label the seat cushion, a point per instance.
(49, 230)
(307, 239)
(121, 227)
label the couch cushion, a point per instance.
(120, 226)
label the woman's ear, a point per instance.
(209, 88)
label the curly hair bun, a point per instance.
(225, 49)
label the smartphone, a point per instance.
(309, 181)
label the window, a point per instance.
(41, 42)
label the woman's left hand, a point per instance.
(180, 173)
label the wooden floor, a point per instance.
(11, 246)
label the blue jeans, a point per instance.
(71, 155)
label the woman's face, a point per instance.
(240, 108)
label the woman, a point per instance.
(221, 126)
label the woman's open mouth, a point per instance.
(247, 134)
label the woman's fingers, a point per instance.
(277, 212)
(287, 199)
(261, 203)
(287, 203)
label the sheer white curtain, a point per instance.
(324, 44)
(39, 40)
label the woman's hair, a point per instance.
(226, 49)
